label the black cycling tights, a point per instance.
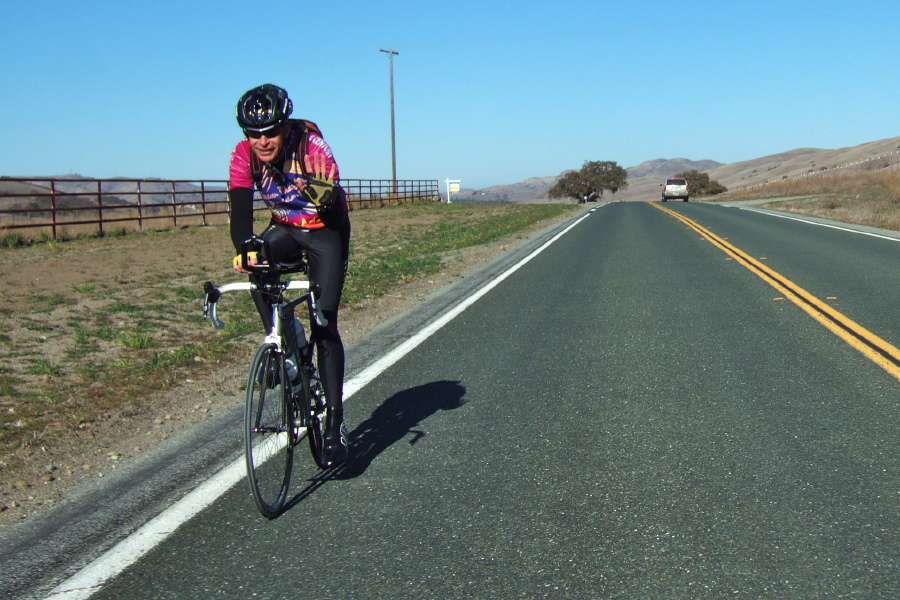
(328, 250)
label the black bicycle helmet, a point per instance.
(263, 108)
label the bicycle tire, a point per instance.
(317, 411)
(267, 431)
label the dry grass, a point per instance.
(869, 198)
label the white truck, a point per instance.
(675, 187)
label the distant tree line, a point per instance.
(590, 182)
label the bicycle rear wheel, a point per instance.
(316, 408)
(315, 430)
(267, 423)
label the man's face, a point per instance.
(267, 144)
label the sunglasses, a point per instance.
(269, 133)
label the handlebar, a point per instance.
(211, 295)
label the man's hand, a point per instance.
(319, 188)
(238, 265)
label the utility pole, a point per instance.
(391, 54)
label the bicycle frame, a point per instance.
(275, 424)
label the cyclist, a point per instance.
(309, 211)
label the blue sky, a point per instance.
(485, 92)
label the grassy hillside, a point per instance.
(777, 167)
(869, 198)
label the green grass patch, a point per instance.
(36, 325)
(8, 384)
(188, 293)
(105, 332)
(81, 336)
(43, 366)
(136, 340)
(11, 240)
(122, 306)
(53, 300)
(376, 275)
(85, 288)
(413, 250)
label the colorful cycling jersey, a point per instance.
(281, 191)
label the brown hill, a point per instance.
(775, 166)
(805, 160)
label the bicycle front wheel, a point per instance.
(267, 427)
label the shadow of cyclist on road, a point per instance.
(391, 422)
(394, 420)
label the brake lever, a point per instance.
(211, 295)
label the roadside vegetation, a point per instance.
(74, 355)
(869, 198)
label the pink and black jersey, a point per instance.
(281, 190)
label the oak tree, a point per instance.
(590, 182)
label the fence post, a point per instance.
(140, 207)
(100, 206)
(53, 208)
(203, 202)
(174, 207)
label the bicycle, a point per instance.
(282, 403)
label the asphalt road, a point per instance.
(631, 414)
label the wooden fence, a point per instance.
(62, 208)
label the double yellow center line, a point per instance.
(870, 345)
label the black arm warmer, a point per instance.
(241, 215)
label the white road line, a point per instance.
(127, 552)
(781, 216)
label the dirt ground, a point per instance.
(46, 470)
